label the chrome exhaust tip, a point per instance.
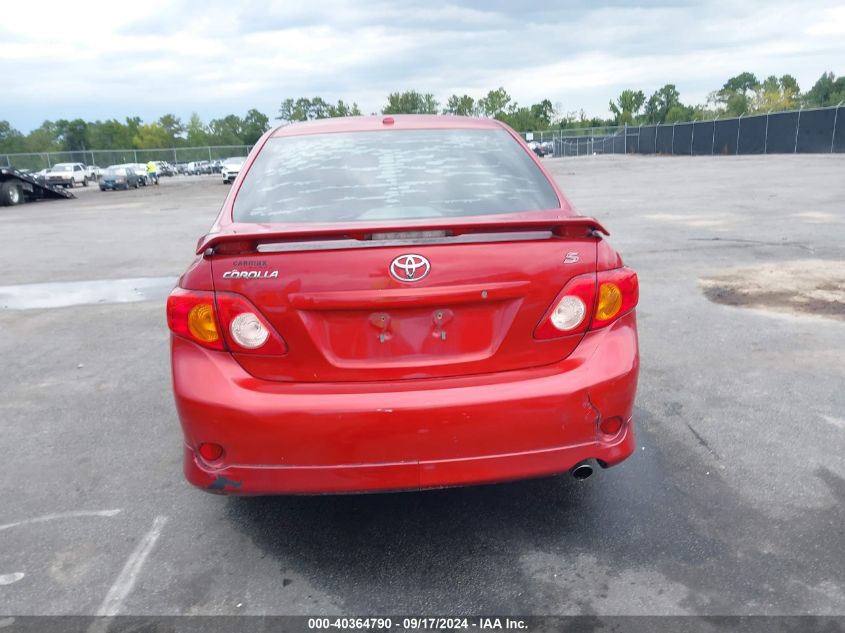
(582, 471)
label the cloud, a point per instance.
(220, 57)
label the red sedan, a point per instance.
(400, 303)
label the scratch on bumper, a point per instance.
(221, 482)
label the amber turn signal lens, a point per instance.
(609, 303)
(201, 323)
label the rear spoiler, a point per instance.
(246, 237)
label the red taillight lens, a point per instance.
(605, 297)
(618, 294)
(245, 329)
(209, 320)
(190, 313)
(571, 310)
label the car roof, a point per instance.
(377, 123)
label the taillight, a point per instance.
(618, 294)
(245, 329)
(190, 313)
(590, 301)
(225, 321)
(571, 310)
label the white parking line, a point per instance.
(837, 422)
(62, 515)
(8, 579)
(129, 574)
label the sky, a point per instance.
(216, 58)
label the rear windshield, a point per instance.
(116, 171)
(399, 174)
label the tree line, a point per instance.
(741, 94)
(168, 131)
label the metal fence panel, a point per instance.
(814, 133)
(752, 135)
(619, 141)
(816, 130)
(583, 146)
(682, 139)
(782, 129)
(725, 135)
(702, 137)
(663, 144)
(648, 134)
(633, 140)
(838, 143)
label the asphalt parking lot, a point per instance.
(734, 502)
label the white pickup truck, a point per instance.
(67, 175)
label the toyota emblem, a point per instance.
(409, 267)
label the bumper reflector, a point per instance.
(210, 452)
(611, 426)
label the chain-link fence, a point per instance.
(816, 130)
(106, 157)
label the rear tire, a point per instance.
(85, 182)
(10, 194)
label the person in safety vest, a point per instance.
(152, 172)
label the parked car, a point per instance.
(345, 328)
(67, 175)
(93, 172)
(196, 168)
(140, 171)
(164, 168)
(231, 168)
(118, 177)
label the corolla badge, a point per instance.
(409, 267)
(251, 274)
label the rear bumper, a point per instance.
(288, 438)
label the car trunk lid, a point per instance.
(349, 313)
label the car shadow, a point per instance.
(415, 550)
(555, 545)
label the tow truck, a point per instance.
(17, 187)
